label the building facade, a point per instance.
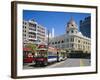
(85, 26)
(72, 40)
(32, 32)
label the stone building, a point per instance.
(72, 40)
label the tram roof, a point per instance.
(26, 49)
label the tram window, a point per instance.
(49, 53)
(41, 54)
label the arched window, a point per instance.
(62, 41)
(72, 25)
(58, 42)
(72, 31)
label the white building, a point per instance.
(49, 34)
(72, 40)
(33, 32)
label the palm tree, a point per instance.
(33, 47)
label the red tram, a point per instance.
(28, 56)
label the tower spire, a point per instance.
(71, 26)
(71, 18)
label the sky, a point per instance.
(56, 20)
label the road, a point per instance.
(70, 62)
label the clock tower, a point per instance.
(71, 27)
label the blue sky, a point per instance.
(56, 20)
